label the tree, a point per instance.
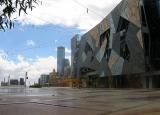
(9, 7)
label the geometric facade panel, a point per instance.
(139, 36)
(113, 59)
(115, 46)
(117, 67)
(101, 52)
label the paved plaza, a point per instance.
(69, 101)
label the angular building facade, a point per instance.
(123, 46)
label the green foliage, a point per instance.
(35, 86)
(9, 7)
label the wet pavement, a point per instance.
(69, 101)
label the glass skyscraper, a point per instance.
(60, 60)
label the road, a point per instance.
(69, 101)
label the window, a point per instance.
(122, 29)
(123, 24)
(124, 50)
(104, 36)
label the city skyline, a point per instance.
(66, 61)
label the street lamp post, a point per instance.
(26, 77)
(4, 81)
(8, 83)
(9, 80)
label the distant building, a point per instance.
(60, 61)
(13, 81)
(74, 54)
(44, 80)
(4, 83)
(53, 78)
(21, 81)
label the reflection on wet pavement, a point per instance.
(68, 101)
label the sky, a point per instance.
(31, 45)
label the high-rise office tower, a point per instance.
(74, 49)
(60, 60)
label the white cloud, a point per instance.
(41, 65)
(30, 43)
(20, 58)
(3, 54)
(69, 13)
(68, 51)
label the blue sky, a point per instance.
(45, 40)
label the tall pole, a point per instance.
(26, 79)
(9, 80)
(4, 81)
